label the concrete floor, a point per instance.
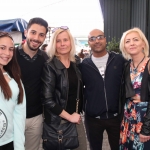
(105, 142)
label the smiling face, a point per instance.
(6, 50)
(98, 46)
(133, 43)
(35, 36)
(63, 43)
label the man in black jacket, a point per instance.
(102, 73)
(31, 60)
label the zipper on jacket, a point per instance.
(105, 98)
(105, 87)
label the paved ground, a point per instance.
(105, 142)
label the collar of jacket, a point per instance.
(60, 65)
(144, 85)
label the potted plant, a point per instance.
(113, 45)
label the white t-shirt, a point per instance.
(100, 63)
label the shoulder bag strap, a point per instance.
(78, 95)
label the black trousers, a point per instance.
(95, 128)
(8, 146)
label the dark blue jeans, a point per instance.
(95, 128)
(8, 146)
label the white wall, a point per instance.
(17, 36)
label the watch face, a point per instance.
(3, 123)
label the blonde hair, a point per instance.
(51, 48)
(142, 36)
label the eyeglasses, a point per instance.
(62, 27)
(99, 37)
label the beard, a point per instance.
(32, 48)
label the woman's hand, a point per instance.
(136, 98)
(143, 138)
(75, 118)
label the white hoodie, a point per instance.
(12, 118)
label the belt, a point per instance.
(109, 116)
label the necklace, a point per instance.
(135, 68)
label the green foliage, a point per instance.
(113, 45)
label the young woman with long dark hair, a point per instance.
(12, 97)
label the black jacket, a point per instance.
(55, 89)
(128, 91)
(102, 95)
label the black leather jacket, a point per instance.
(54, 93)
(128, 91)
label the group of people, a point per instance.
(113, 89)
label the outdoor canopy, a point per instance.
(14, 25)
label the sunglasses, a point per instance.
(99, 37)
(62, 27)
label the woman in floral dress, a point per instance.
(135, 125)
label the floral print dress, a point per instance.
(133, 118)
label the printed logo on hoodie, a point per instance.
(3, 123)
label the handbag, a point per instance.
(62, 136)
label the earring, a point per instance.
(143, 50)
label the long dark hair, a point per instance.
(14, 71)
